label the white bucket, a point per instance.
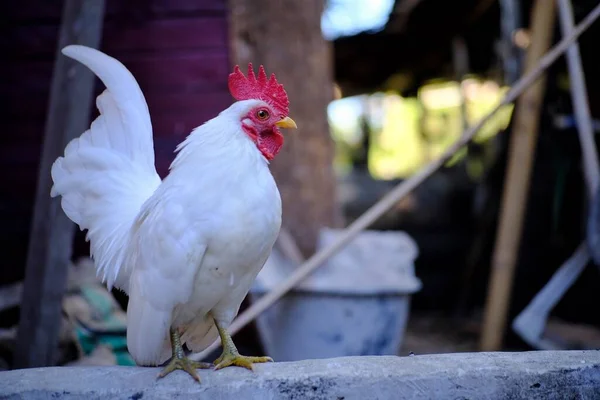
(356, 304)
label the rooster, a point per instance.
(185, 249)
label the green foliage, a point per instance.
(407, 133)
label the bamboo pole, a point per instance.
(288, 246)
(516, 184)
(400, 191)
(580, 101)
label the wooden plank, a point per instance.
(516, 184)
(49, 10)
(22, 185)
(188, 6)
(52, 232)
(179, 125)
(12, 131)
(166, 34)
(195, 33)
(16, 213)
(205, 104)
(24, 112)
(13, 250)
(30, 9)
(21, 138)
(187, 71)
(22, 107)
(24, 191)
(164, 148)
(38, 75)
(19, 153)
(17, 222)
(29, 40)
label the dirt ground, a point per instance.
(428, 333)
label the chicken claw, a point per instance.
(184, 364)
(180, 361)
(231, 356)
(227, 360)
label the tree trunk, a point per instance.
(285, 36)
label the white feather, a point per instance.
(187, 248)
(108, 172)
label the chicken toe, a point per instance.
(180, 361)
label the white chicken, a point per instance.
(186, 249)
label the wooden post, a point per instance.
(516, 184)
(51, 236)
(286, 37)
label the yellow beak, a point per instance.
(287, 122)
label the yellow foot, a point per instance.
(184, 364)
(229, 359)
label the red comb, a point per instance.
(268, 90)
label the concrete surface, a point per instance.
(532, 375)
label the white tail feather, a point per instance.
(108, 172)
(147, 329)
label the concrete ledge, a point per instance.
(530, 375)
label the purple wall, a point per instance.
(176, 49)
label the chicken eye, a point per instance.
(262, 114)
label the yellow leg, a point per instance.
(231, 356)
(180, 361)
